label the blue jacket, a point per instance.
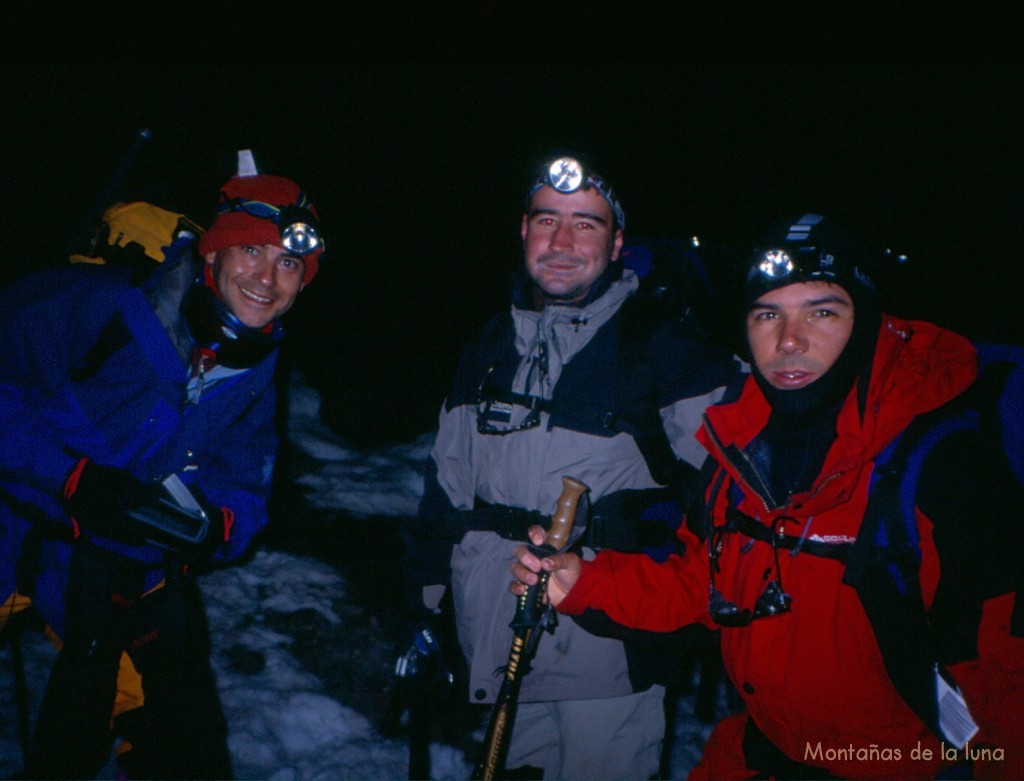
(91, 366)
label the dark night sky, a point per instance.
(419, 170)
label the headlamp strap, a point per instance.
(296, 222)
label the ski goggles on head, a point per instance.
(298, 226)
(567, 175)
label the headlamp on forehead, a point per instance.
(299, 231)
(567, 175)
(775, 264)
(807, 264)
(298, 226)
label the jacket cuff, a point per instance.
(576, 601)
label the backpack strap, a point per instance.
(884, 565)
(736, 520)
(612, 361)
(1000, 389)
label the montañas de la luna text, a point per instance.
(876, 753)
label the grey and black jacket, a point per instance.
(592, 392)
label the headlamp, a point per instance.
(299, 231)
(776, 264)
(808, 249)
(297, 225)
(567, 175)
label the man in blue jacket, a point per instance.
(138, 442)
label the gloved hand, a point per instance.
(98, 498)
(424, 658)
(189, 539)
(113, 503)
(217, 534)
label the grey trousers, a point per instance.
(618, 738)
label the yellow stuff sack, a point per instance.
(136, 234)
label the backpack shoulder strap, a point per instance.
(884, 567)
(639, 322)
(999, 396)
(884, 563)
(993, 407)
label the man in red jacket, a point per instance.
(852, 662)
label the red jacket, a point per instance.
(815, 675)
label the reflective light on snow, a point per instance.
(387, 480)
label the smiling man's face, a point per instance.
(258, 283)
(568, 242)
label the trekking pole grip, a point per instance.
(494, 750)
(565, 512)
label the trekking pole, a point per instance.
(531, 614)
(418, 676)
(20, 692)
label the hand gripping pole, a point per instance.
(531, 613)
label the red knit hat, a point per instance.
(234, 228)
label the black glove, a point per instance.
(113, 503)
(99, 497)
(214, 538)
(189, 537)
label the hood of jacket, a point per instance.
(549, 338)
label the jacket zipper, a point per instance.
(753, 471)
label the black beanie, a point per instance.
(809, 248)
(812, 248)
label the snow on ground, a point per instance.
(283, 726)
(301, 663)
(335, 476)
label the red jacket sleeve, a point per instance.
(638, 592)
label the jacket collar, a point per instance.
(917, 367)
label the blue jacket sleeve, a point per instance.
(48, 323)
(239, 473)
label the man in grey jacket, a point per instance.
(568, 380)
